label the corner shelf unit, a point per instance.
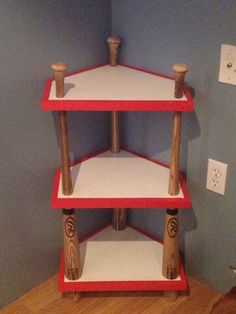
(116, 260)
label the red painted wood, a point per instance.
(151, 285)
(170, 202)
(116, 105)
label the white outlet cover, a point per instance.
(227, 72)
(216, 176)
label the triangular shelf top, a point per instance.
(121, 88)
(126, 180)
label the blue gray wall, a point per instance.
(34, 34)
(158, 34)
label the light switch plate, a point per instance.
(228, 64)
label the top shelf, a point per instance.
(123, 88)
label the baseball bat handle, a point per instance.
(180, 71)
(114, 43)
(59, 73)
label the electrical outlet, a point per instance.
(216, 176)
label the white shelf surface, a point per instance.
(126, 257)
(116, 83)
(123, 176)
(116, 88)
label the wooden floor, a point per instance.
(46, 299)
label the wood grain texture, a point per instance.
(75, 295)
(71, 247)
(119, 216)
(47, 299)
(65, 157)
(114, 43)
(59, 73)
(180, 71)
(175, 154)
(115, 132)
(170, 264)
(119, 219)
(226, 304)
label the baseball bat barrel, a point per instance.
(170, 265)
(71, 246)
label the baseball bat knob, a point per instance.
(180, 68)
(115, 40)
(59, 67)
(114, 43)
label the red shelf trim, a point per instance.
(151, 285)
(111, 105)
(178, 202)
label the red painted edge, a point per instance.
(151, 285)
(57, 202)
(111, 105)
(146, 71)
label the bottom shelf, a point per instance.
(127, 260)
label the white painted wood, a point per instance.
(121, 256)
(122, 175)
(116, 83)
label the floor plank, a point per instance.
(47, 299)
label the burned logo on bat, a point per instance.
(172, 227)
(70, 227)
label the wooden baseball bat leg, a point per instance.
(59, 73)
(170, 265)
(114, 43)
(175, 154)
(65, 157)
(71, 246)
(119, 216)
(119, 219)
(180, 71)
(72, 295)
(115, 132)
(171, 294)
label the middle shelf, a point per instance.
(124, 180)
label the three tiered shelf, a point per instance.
(119, 256)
